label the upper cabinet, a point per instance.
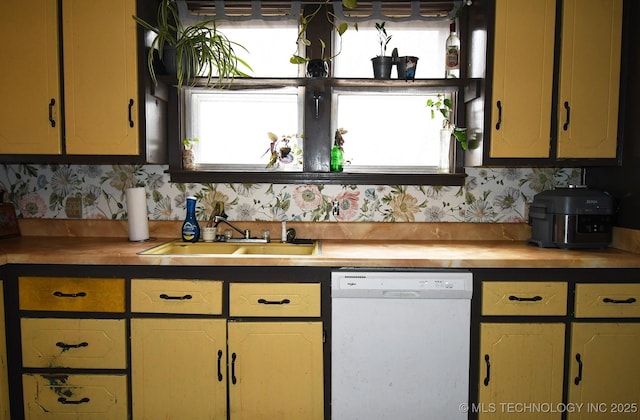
(522, 78)
(589, 79)
(552, 84)
(30, 108)
(100, 77)
(74, 84)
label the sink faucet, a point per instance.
(246, 234)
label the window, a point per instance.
(390, 129)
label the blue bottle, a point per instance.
(190, 227)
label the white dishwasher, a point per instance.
(400, 344)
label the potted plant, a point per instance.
(382, 64)
(188, 157)
(192, 50)
(443, 105)
(282, 154)
(318, 67)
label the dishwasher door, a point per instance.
(400, 344)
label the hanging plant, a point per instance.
(304, 23)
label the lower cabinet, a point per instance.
(605, 370)
(178, 368)
(188, 362)
(605, 348)
(76, 396)
(539, 357)
(70, 326)
(275, 370)
(520, 362)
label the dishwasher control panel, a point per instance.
(399, 284)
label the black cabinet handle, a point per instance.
(525, 299)
(578, 378)
(274, 302)
(130, 113)
(63, 400)
(233, 368)
(167, 297)
(52, 103)
(499, 123)
(71, 346)
(609, 300)
(565, 126)
(488, 364)
(219, 365)
(71, 295)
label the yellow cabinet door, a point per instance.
(29, 86)
(275, 370)
(100, 77)
(522, 79)
(604, 370)
(178, 368)
(520, 363)
(589, 79)
(4, 380)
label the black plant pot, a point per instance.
(406, 67)
(382, 66)
(317, 68)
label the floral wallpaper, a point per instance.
(489, 195)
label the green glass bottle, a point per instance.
(337, 156)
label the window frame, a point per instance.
(318, 130)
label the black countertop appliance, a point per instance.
(571, 218)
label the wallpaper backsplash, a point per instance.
(489, 195)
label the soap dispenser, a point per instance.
(190, 227)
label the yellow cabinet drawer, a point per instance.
(274, 299)
(176, 296)
(73, 343)
(75, 396)
(524, 298)
(80, 294)
(608, 300)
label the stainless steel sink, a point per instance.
(178, 247)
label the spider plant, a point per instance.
(200, 49)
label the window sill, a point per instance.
(354, 178)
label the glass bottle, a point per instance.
(337, 157)
(190, 227)
(452, 53)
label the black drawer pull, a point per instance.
(167, 297)
(488, 364)
(72, 346)
(131, 113)
(219, 365)
(526, 299)
(274, 302)
(578, 378)
(609, 300)
(71, 295)
(565, 126)
(51, 105)
(499, 123)
(63, 400)
(233, 368)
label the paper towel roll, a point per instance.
(137, 214)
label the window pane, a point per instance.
(269, 45)
(386, 129)
(233, 126)
(424, 39)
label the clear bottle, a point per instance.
(190, 227)
(452, 53)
